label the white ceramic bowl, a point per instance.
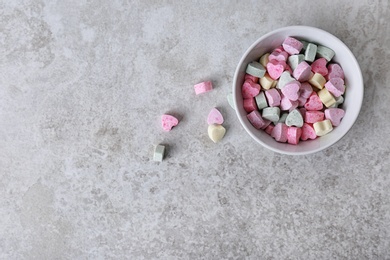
(353, 81)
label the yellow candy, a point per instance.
(326, 98)
(323, 127)
(216, 132)
(264, 60)
(317, 80)
(267, 82)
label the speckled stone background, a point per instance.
(82, 87)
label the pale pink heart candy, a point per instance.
(168, 121)
(279, 132)
(287, 104)
(335, 86)
(319, 66)
(203, 87)
(334, 115)
(335, 71)
(279, 56)
(314, 102)
(215, 117)
(308, 132)
(291, 90)
(275, 68)
(302, 72)
(273, 97)
(305, 90)
(250, 89)
(292, 46)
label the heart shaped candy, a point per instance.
(308, 132)
(294, 118)
(291, 90)
(168, 122)
(335, 86)
(215, 117)
(314, 102)
(302, 72)
(216, 132)
(250, 89)
(275, 68)
(319, 66)
(335, 71)
(279, 56)
(334, 115)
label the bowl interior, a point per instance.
(353, 81)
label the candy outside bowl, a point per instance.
(353, 96)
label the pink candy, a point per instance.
(314, 116)
(293, 135)
(335, 71)
(275, 68)
(335, 86)
(250, 89)
(168, 122)
(314, 102)
(203, 87)
(319, 66)
(250, 104)
(291, 90)
(256, 120)
(302, 72)
(292, 46)
(280, 132)
(334, 115)
(215, 117)
(273, 97)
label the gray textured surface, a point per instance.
(82, 87)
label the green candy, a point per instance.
(294, 60)
(255, 69)
(305, 43)
(325, 52)
(310, 52)
(261, 101)
(271, 113)
(159, 152)
(230, 100)
(294, 118)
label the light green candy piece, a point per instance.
(282, 118)
(294, 60)
(310, 52)
(159, 152)
(261, 101)
(339, 101)
(284, 79)
(255, 69)
(271, 113)
(230, 100)
(294, 118)
(305, 43)
(325, 52)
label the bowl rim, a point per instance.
(287, 28)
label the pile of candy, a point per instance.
(293, 93)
